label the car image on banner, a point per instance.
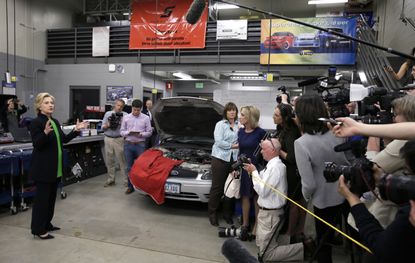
(185, 126)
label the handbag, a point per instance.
(232, 186)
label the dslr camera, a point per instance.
(115, 120)
(397, 188)
(241, 233)
(359, 174)
(240, 162)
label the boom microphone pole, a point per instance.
(389, 50)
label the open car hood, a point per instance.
(186, 116)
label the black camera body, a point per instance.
(283, 90)
(240, 162)
(359, 173)
(397, 188)
(115, 120)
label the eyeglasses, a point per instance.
(273, 146)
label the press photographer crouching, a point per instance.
(272, 247)
(393, 244)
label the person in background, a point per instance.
(249, 138)
(293, 100)
(114, 142)
(404, 72)
(10, 114)
(152, 141)
(312, 150)
(135, 128)
(46, 165)
(287, 133)
(224, 153)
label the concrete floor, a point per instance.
(105, 225)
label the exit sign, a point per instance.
(199, 85)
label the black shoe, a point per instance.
(44, 236)
(129, 191)
(54, 228)
(213, 219)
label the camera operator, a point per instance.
(114, 142)
(396, 241)
(312, 150)
(10, 114)
(271, 206)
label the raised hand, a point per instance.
(81, 125)
(48, 127)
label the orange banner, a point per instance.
(162, 24)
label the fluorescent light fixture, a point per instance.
(222, 6)
(325, 2)
(244, 74)
(182, 75)
(126, 14)
(247, 78)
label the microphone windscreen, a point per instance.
(308, 82)
(195, 11)
(235, 252)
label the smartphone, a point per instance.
(333, 122)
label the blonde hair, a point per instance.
(405, 106)
(39, 99)
(253, 114)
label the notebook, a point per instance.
(21, 135)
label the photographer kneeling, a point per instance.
(271, 206)
(393, 244)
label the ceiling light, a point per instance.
(182, 75)
(325, 2)
(221, 6)
(244, 74)
(247, 78)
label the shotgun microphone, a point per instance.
(195, 11)
(235, 252)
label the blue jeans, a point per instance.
(131, 152)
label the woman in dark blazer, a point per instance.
(46, 165)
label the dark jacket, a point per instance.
(396, 243)
(4, 111)
(44, 163)
(145, 111)
(287, 137)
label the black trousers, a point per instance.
(43, 207)
(325, 234)
(220, 171)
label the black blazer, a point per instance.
(44, 163)
(145, 111)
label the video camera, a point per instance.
(115, 120)
(359, 173)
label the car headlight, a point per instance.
(207, 175)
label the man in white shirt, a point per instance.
(271, 206)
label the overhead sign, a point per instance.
(101, 41)
(232, 29)
(287, 42)
(8, 88)
(162, 25)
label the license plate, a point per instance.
(172, 188)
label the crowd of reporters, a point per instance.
(380, 214)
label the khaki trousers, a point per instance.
(114, 153)
(278, 250)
